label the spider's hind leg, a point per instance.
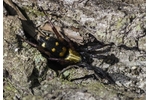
(99, 73)
(67, 68)
(111, 59)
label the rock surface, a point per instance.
(28, 74)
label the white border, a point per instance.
(147, 49)
(1, 52)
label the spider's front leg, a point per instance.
(108, 59)
(41, 49)
(98, 72)
(98, 50)
(59, 37)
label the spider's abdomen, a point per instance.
(59, 50)
(54, 46)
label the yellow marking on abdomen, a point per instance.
(47, 38)
(56, 43)
(43, 45)
(53, 49)
(61, 54)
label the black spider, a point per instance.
(64, 51)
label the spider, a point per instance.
(63, 50)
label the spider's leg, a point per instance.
(99, 73)
(68, 41)
(56, 31)
(60, 60)
(67, 68)
(102, 47)
(36, 46)
(52, 26)
(111, 59)
(96, 47)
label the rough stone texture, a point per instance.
(122, 22)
